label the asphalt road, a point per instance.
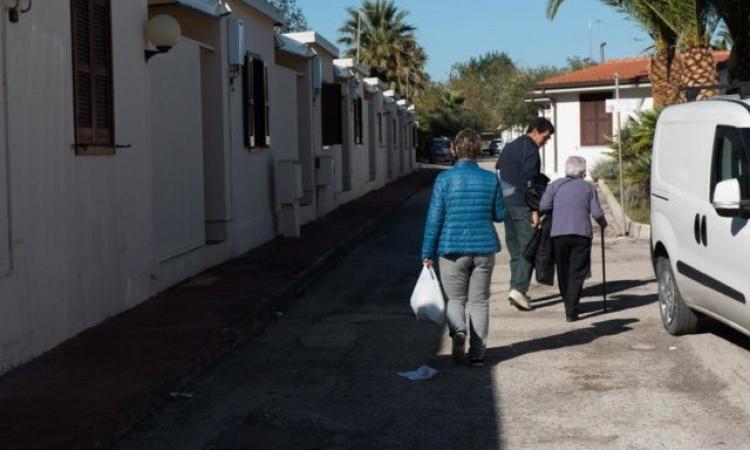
(324, 374)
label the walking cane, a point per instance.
(604, 273)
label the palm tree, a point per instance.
(664, 65)
(377, 35)
(736, 17)
(693, 21)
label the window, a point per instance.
(256, 108)
(358, 122)
(730, 158)
(331, 114)
(596, 123)
(380, 128)
(92, 75)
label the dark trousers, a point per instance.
(573, 260)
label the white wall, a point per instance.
(82, 225)
(176, 110)
(252, 169)
(5, 258)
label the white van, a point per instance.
(700, 204)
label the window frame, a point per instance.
(744, 139)
(93, 140)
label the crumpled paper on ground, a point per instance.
(422, 373)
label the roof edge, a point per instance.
(267, 10)
(313, 37)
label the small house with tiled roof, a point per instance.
(576, 103)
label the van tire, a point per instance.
(676, 316)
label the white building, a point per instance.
(581, 106)
(124, 171)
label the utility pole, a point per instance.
(619, 150)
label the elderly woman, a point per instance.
(572, 201)
(465, 201)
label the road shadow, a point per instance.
(709, 325)
(594, 290)
(572, 338)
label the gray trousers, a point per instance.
(466, 281)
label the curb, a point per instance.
(634, 230)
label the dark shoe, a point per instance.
(476, 362)
(571, 318)
(459, 340)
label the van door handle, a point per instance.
(704, 232)
(697, 228)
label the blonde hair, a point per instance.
(468, 144)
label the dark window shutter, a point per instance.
(259, 96)
(332, 114)
(248, 108)
(267, 105)
(92, 72)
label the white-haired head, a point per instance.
(575, 167)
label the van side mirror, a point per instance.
(727, 198)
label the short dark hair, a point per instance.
(541, 125)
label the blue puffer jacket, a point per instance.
(465, 201)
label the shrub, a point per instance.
(606, 169)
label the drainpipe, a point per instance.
(554, 136)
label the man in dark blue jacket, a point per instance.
(517, 165)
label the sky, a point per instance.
(454, 30)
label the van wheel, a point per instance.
(675, 314)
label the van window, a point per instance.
(730, 158)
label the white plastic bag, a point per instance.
(427, 300)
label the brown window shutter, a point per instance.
(83, 85)
(92, 74)
(604, 123)
(248, 103)
(588, 123)
(101, 55)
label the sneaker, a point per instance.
(571, 318)
(459, 339)
(519, 300)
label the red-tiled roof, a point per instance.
(630, 70)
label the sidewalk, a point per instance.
(92, 388)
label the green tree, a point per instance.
(378, 35)
(294, 18)
(481, 81)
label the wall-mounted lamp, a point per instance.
(163, 31)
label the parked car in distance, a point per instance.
(496, 146)
(440, 151)
(700, 205)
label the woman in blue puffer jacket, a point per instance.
(466, 200)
